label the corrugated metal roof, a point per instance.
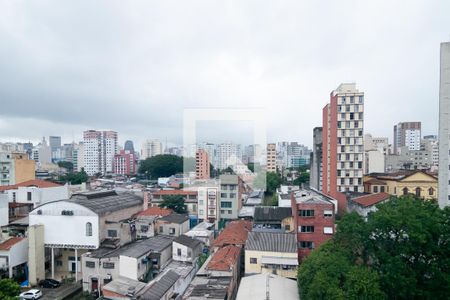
(175, 218)
(271, 213)
(160, 287)
(187, 241)
(289, 261)
(271, 241)
(106, 201)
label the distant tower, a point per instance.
(444, 127)
(129, 146)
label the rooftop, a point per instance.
(174, 192)
(124, 286)
(310, 197)
(155, 211)
(371, 199)
(208, 288)
(187, 241)
(106, 201)
(175, 218)
(136, 249)
(235, 233)
(159, 286)
(7, 245)
(272, 287)
(203, 226)
(271, 213)
(30, 183)
(224, 259)
(271, 242)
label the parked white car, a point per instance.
(31, 294)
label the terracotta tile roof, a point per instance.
(235, 233)
(174, 192)
(375, 181)
(6, 245)
(155, 211)
(35, 182)
(371, 199)
(224, 259)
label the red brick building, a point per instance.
(124, 163)
(202, 165)
(314, 220)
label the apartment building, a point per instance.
(315, 176)
(16, 167)
(202, 165)
(271, 158)
(343, 149)
(151, 148)
(99, 150)
(407, 134)
(444, 127)
(125, 163)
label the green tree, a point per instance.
(9, 289)
(273, 182)
(175, 203)
(161, 166)
(75, 178)
(400, 252)
(66, 165)
(303, 177)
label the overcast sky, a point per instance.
(133, 66)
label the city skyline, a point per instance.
(146, 82)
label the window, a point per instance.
(375, 189)
(405, 191)
(306, 245)
(179, 252)
(171, 230)
(327, 213)
(306, 213)
(232, 195)
(253, 260)
(223, 195)
(112, 233)
(161, 229)
(328, 230)
(108, 265)
(59, 263)
(382, 189)
(88, 229)
(90, 264)
(14, 196)
(29, 196)
(226, 204)
(307, 229)
(287, 227)
(430, 191)
(418, 191)
(144, 228)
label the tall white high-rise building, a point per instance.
(99, 150)
(444, 125)
(151, 148)
(407, 134)
(228, 154)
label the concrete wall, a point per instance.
(18, 254)
(67, 230)
(24, 170)
(129, 267)
(166, 227)
(258, 268)
(187, 254)
(98, 271)
(4, 210)
(36, 254)
(145, 221)
(39, 196)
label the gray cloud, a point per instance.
(134, 66)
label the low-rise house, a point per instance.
(79, 225)
(273, 217)
(173, 225)
(186, 249)
(365, 204)
(146, 219)
(269, 252)
(25, 196)
(13, 257)
(235, 233)
(203, 232)
(284, 193)
(314, 219)
(190, 199)
(140, 260)
(218, 278)
(418, 183)
(162, 288)
(270, 286)
(255, 198)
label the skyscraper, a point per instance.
(129, 146)
(444, 125)
(407, 134)
(54, 142)
(315, 175)
(271, 158)
(202, 170)
(342, 145)
(99, 150)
